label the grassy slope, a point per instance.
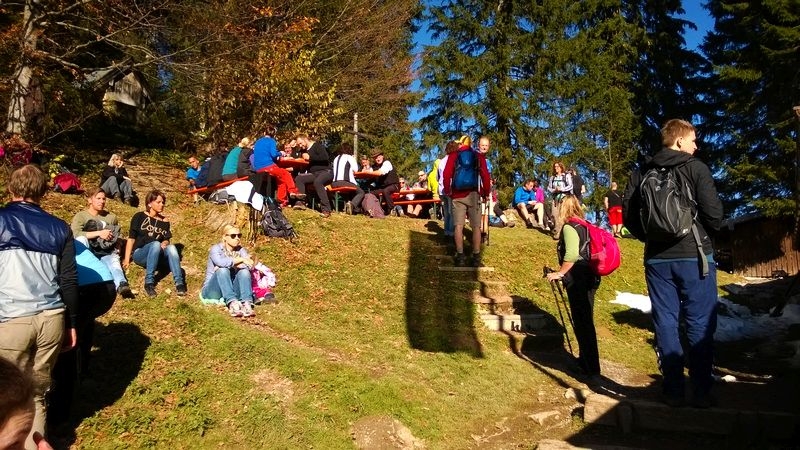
(362, 328)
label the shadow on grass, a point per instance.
(116, 361)
(438, 319)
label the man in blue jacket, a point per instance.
(526, 203)
(33, 307)
(678, 287)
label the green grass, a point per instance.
(366, 325)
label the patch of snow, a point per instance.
(734, 322)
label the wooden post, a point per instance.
(355, 136)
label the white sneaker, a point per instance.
(247, 310)
(235, 308)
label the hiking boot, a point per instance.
(348, 208)
(247, 310)
(459, 260)
(300, 206)
(150, 290)
(476, 260)
(529, 225)
(704, 401)
(180, 290)
(124, 290)
(235, 308)
(297, 196)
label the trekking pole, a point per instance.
(553, 285)
(485, 219)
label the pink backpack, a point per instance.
(263, 280)
(603, 248)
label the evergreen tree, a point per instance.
(755, 84)
(668, 78)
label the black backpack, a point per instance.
(668, 209)
(274, 223)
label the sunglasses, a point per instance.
(235, 236)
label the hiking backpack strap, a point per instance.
(702, 261)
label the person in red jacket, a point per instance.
(466, 201)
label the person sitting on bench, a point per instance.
(344, 166)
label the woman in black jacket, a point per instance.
(115, 181)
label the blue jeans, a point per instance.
(148, 256)
(224, 284)
(678, 292)
(447, 215)
(112, 262)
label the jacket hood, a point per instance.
(667, 157)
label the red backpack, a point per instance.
(67, 183)
(603, 248)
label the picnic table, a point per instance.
(367, 175)
(294, 163)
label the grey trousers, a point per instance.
(122, 190)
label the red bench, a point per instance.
(212, 188)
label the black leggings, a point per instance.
(581, 285)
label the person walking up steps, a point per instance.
(679, 268)
(466, 181)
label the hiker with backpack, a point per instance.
(447, 202)
(228, 274)
(578, 186)
(559, 186)
(671, 204)
(115, 181)
(466, 181)
(581, 283)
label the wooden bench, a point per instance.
(214, 187)
(339, 190)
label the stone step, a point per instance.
(479, 299)
(527, 323)
(484, 288)
(553, 444)
(631, 414)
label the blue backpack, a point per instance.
(465, 176)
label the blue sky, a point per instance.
(695, 13)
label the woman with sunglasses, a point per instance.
(228, 274)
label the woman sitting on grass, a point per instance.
(149, 239)
(115, 181)
(228, 274)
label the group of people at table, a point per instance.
(305, 162)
